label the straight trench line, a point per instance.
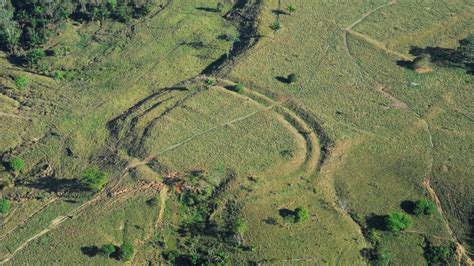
(242, 118)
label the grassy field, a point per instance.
(351, 140)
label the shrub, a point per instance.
(291, 8)
(398, 221)
(239, 87)
(153, 202)
(301, 214)
(126, 252)
(240, 226)
(439, 255)
(94, 179)
(107, 250)
(211, 81)
(22, 82)
(276, 25)
(424, 206)
(16, 165)
(33, 56)
(4, 206)
(292, 78)
(422, 63)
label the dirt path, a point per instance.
(461, 252)
(396, 103)
(16, 116)
(163, 198)
(40, 209)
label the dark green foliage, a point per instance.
(239, 87)
(94, 179)
(107, 250)
(276, 25)
(29, 23)
(440, 255)
(153, 202)
(16, 165)
(34, 56)
(467, 49)
(424, 206)
(126, 252)
(9, 29)
(291, 8)
(301, 214)
(398, 221)
(4, 206)
(292, 78)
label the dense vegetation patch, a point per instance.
(25, 24)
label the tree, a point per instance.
(291, 8)
(4, 206)
(292, 78)
(95, 179)
(439, 255)
(424, 206)
(126, 251)
(467, 49)
(107, 250)
(398, 221)
(10, 30)
(301, 214)
(16, 165)
(422, 63)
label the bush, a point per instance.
(153, 202)
(211, 81)
(21, 82)
(292, 78)
(291, 8)
(16, 165)
(107, 250)
(424, 206)
(240, 226)
(126, 252)
(422, 62)
(95, 179)
(239, 87)
(34, 56)
(4, 206)
(301, 214)
(398, 221)
(276, 25)
(439, 255)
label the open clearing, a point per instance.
(156, 104)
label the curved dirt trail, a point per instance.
(461, 252)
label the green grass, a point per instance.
(380, 158)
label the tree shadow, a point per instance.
(408, 206)
(444, 57)
(90, 251)
(208, 9)
(55, 185)
(279, 12)
(286, 213)
(283, 79)
(375, 221)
